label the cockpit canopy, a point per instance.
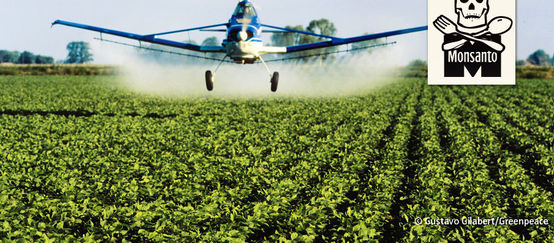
(245, 10)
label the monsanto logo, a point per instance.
(471, 42)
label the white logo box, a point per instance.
(472, 42)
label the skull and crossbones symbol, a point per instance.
(472, 25)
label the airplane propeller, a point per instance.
(243, 34)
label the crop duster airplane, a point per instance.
(243, 44)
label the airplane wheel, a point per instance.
(274, 81)
(209, 80)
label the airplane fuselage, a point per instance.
(243, 43)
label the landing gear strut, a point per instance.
(210, 77)
(274, 77)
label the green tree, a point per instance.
(287, 38)
(322, 27)
(8, 56)
(26, 58)
(213, 41)
(44, 59)
(539, 58)
(79, 52)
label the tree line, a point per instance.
(78, 52)
(25, 57)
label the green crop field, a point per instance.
(82, 158)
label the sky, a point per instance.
(25, 24)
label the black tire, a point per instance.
(209, 80)
(274, 81)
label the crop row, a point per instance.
(526, 199)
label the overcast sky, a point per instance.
(25, 24)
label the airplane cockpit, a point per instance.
(245, 10)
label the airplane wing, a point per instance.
(335, 41)
(151, 38)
